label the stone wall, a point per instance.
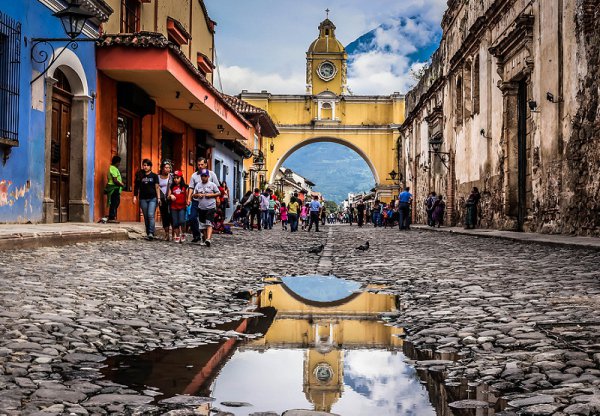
(516, 111)
(580, 207)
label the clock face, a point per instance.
(326, 71)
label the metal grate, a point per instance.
(10, 60)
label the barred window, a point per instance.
(10, 60)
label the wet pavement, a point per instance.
(492, 326)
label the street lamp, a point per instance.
(393, 175)
(435, 144)
(73, 19)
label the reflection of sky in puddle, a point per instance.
(321, 288)
(375, 383)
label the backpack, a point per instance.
(255, 203)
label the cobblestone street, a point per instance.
(508, 309)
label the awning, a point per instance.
(149, 61)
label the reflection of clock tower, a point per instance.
(323, 368)
(326, 62)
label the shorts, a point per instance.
(206, 218)
(178, 217)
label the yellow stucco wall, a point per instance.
(153, 18)
(368, 125)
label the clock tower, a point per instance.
(326, 62)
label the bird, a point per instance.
(363, 247)
(317, 249)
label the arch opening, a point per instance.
(367, 173)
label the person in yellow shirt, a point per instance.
(293, 208)
(113, 189)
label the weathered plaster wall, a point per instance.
(22, 177)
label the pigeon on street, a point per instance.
(363, 247)
(317, 249)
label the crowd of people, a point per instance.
(200, 206)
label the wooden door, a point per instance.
(60, 153)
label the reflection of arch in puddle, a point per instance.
(319, 304)
(324, 295)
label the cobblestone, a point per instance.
(505, 307)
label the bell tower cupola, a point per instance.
(326, 62)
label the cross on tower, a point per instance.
(327, 11)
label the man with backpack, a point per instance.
(253, 206)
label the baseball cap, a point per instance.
(178, 173)
(204, 172)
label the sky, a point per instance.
(261, 44)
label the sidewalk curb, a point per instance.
(37, 240)
(525, 238)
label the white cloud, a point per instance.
(236, 78)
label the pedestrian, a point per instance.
(471, 205)
(224, 197)
(206, 194)
(244, 210)
(147, 189)
(283, 215)
(113, 189)
(360, 212)
(293, 208)
(177, 194)
(265, 197)
(314, 209)
(304, 216)
(272, 206)
(201, 164)
(404, 201)
(253, 206)
(439, 207)
(376, 213)
(350, 214)
(165, 179)
(431, 198)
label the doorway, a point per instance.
(60, 147)
(171, 148)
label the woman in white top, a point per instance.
(165, 178)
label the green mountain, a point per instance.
(335, 169)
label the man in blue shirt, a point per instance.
(404, 201)
(315, 209)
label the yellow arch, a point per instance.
(322, 139)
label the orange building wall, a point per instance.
(149, 146)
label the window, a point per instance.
(130, 16)
(10, 60)
(218, 164)
(476, 81)
(124, 143)
(458, 109)
(467, 89)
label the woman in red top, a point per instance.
(178, 197)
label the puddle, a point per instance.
(324, 348)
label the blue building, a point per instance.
(47, 117)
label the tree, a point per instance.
(331, 206)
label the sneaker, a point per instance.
(195, 239)
(207, 243)
(150, 237)
(182, 238)
(177, 239)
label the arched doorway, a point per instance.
(66, 159)
(60, 146)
